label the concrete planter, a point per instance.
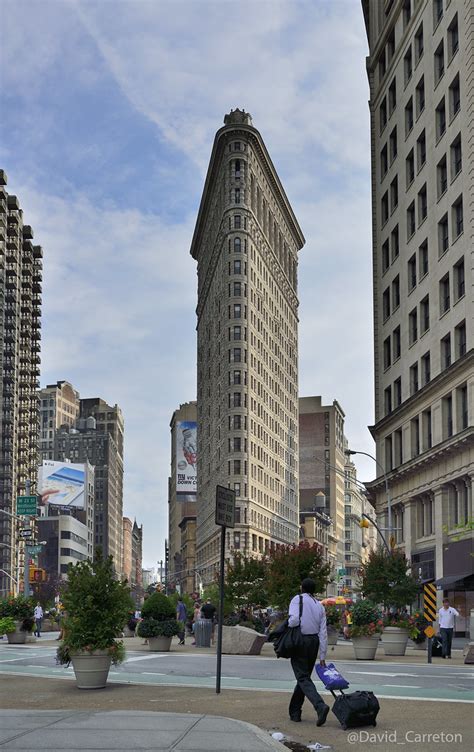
(394, 640)
(91, 669)
(242, 641)
(18, 637)
(365, 648)
(332, 636)
(159, 644)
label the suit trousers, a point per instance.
(303, 668)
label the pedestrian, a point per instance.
(346, 622)
(38, 617)
(446, 617)
(314, 632)
(196, 616)
(208, 611)
(181, 618)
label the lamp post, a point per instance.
(350, 452)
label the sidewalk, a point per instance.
(127, 730)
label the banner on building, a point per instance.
(186, 457)
(62, 484)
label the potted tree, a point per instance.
(365, 629)
(96, 608)
(18, 610)
(333, 621)
(158, 624)
(386, 579)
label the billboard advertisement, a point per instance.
(62, 484)
(186, 457)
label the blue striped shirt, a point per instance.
(313, 620)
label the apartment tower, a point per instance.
(20, 337)
(246, 244)
(421, 76)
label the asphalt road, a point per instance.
(438, 681)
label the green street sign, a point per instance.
(341, 572)
(27, 505)
(33, 550)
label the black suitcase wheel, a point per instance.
(374, 723)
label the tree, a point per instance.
(288, 565)
(246, 582)
(386, 579)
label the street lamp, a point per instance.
(350, 452)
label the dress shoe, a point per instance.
(322, 715)
(296, 717)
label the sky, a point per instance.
(109, 111)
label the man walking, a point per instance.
(38, 617)
(181, 618)
(446, 618)
(314, 631)
(208, 611)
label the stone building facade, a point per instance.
(421, 77)
(59, 406)
(20, 338)
(127, 526)
(246, 244)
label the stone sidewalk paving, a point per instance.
(53, 730)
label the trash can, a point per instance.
(203, 632)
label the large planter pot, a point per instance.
(332, 636)
(91, 669)
(159, 644)
(394, 640)
(365, 647)
(18, 637)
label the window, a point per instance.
(410, 168)
(442, 176)
(237, 399)
(397, 346)
(237, 289)
(394, 194)
(461, 407)
(412, 273)
(453, 38)
(237, 195)
(426, 368)
(236, 355)
(408, 65)
(415, 436)
(456, 157)
(391, 45)
(454, 98)
(437, 12)
(383, 161)
(408, 116)
(388, 453)
(237, 467)
(406, 13)
(237, 221)
(237, 266)
(237, 245)
(237, 146)
(414, 378)
(386, 354)
(458, 224)
(392, 97)
(387, 400)
(236, 332)
(386, 304)
(393, 148)
(385, 256)
(425, 314)
(397, 392)
(395, 243)
(383, 114)
(447, 416)
(382, 65)
(398, 447)
(419, 46)
(421, 150)
(426, 429)
(237, 311)
(459, 280)
(423, 259)
(443, 236)
(444, 298)
(395, 293)
(235, 377)
(440, 119)
(420, 96)
(439, 63)
(412, 326)
(422, 205)
(446, 352)
(237, 422)
(237, 168)
(460, 340)
(411, 220)
(384, 208)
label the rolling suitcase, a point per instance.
(351, 710)
(437, 647)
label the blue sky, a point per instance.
(109, 110)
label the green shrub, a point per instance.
(159, 607)
(153, 628)
(18, 608)
(7, 625)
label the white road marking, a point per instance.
(145, 657)
(153, 673)
(400, 686)
(380, 673)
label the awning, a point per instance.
(453, 579)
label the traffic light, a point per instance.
(37, 575)
(364, 523)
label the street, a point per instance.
(441, 680)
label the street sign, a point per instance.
(26, 533)
(341, 572)
(33, 550)
(429, 631)
(225, 507)
(27, 505)
(429, 601)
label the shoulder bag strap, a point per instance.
(301, 608)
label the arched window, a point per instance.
(237, 245)
(237, 168)
(237, 222)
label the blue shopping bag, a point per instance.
(330, 677)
